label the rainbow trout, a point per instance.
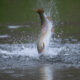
(45, 35)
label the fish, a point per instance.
(46, 31)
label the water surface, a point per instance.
(19, 31)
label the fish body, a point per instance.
(45, 34)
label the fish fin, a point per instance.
(40, 50)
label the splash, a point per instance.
(62, 53)
(21, 55)
(50, 9)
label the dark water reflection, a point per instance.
(42, 72)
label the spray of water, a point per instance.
(50, 9)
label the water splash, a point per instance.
(50, 9)
(67, 53)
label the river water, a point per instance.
(19, 31)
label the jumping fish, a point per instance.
(45, 35)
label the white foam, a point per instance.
(31, 51)
(20, 51)
(27, 51)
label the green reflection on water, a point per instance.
(22, 12)
(16, 11)
(69, 10)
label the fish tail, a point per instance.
(40, 10)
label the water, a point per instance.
(19, 59)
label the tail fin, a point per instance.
(41, 10)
